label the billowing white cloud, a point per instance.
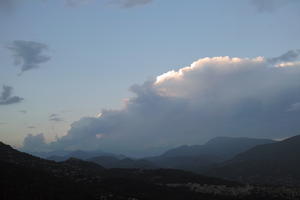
(211, 97)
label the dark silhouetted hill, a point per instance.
(275, 163)
(24, 176)
(113, 162)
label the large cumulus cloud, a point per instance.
(216, 96)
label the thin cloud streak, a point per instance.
(130, 3)
(270, 5)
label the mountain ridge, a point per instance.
(275, 163)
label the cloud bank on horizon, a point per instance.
(218, 96)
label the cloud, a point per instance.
(34, 143)
(31, 127)
(23, 111)
(270, 5)
(291, 55)
(7, 6)
(3, 123)
(55, 117)
(28, 54)
(6, 97)
(218, 96)
(74, 3)
(294, 107)
(130, 3)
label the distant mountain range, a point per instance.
(196, 158)
(242, 159)
(222, 147)
(199, 158)
(113, 162)
(274, 163)
(64, 155)
(23, 176)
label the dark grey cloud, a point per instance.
(219, 96)
(130, 3)
(6, 97)
(286, 57)
(28, 54)
(270, 5)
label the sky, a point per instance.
(111, 74)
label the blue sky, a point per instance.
(99, 50)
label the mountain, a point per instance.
(222, 147)
(26, 176)
(113, 162)
(19, 182)
(65, 155)
(274, 163)
(23, 176)
(198, 158)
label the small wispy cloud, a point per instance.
(130, 3)
(74, 3)
(28, 54)
(31, 127)
(290, 55)
(23, 111)
(294, 107)
(53, 115)
(270, 5)
(55, 118)
(6, 97)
